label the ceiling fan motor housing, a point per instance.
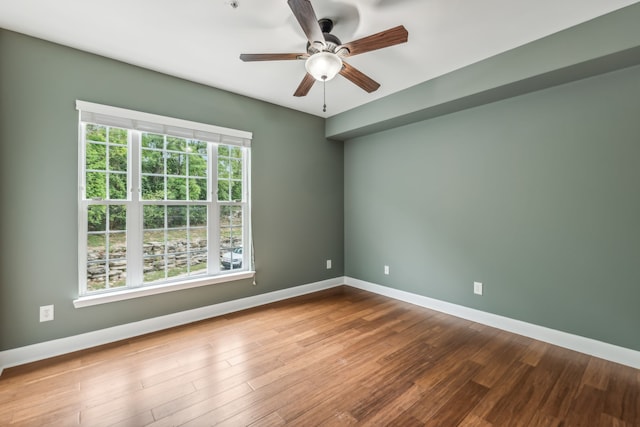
(331, 41)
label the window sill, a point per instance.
(89, 300)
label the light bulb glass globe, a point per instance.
(323, 65)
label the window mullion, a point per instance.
(247, 252)
(213, 217)
(82, 216)
(135, 258)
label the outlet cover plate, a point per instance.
(477, 288)
(46, 313)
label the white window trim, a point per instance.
(146, 122)
(131, 293)
(153, 123)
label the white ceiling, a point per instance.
(200, 40)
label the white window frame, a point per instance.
(137, 123)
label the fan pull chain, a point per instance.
(324, 95)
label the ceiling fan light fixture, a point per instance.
(323, 66)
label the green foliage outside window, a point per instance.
(178, 164)
(229, 173)
(172, 169)
(106, 163)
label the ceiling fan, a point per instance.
(325, 52)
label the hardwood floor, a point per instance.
(338, 357)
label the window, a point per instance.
(162, 201)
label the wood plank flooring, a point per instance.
(337, 357)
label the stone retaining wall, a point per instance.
(154, 252)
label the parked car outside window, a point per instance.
(232, 259)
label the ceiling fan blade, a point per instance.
(376, 41)
(272, 56)
(303, 11)
(305, 85)
(359, 78)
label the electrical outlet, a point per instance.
(386, 270)
(328, 264)
(46, 313)
(477, 288)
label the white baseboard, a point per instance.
(48, 349)
(584, 345)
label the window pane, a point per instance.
(153, 216)
(197, 165)
(96, 157)
(153, 243)
(235, 216)
(197, 189)
(96, 133)
(117, 217)
(117, 186)
(152, 187)
(118, 136)
(231, 251)
(225, 257)
(225, 216)
(176, 188)
(176, 144)
(176, 164)
(176, 216)
(151, 140)
(230, 226)
(177, 240)
(117, 273)
(236, 152)
(236, 191)
(154, 269)
(96, 185)
(96, 243)
(236, 169)
(225, 238)
(223, 191)
(230, 173)
(118, 158)
(153, 235)
(197, 216)
(199, 147)
(96, 276)
(152, 162)
(177, 265)
(97, 218)
(106, 247)
(117, 245)
(198, 262)
(224, 167)
(231, 259)
(198, 240)
(106, 163)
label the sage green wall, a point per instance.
(297, 186)
(536, 196)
